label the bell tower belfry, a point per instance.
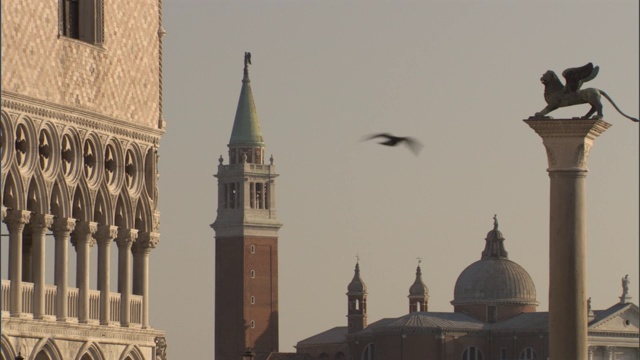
(357, 302)
(246, 227)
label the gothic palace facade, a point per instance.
(81, 122)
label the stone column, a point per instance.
(141, 251)
(39, 225)
(610, 353)
(567, 143)
(125, 239)
(62, 228)
(16, 220)
(82, 239)
(105, 234)
(27, 244)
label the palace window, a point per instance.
(492, 313)
(528, 354)
(82, 20)
(368, 353)
(253, 324)
(503, 353)
(472, 353)
(253, 300)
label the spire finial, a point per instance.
(357, 258)
(495, 221)
(247, 62)
(419, 260)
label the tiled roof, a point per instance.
(289, 356)
(604, 314)
(537, 321)
(529, 321)
(331, 336)
(436, 320)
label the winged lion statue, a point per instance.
(558, 95)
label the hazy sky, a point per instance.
(458, 75)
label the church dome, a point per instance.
(356, 286)
(494, 279)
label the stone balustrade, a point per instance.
(72, 303)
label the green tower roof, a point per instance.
(246, 126)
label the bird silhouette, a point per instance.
(391, 140)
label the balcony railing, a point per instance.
(72, 303)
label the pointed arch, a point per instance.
(92, 349)
(8, 139)
(12, 195)
(48, 347)
(143, 219)
(81, 205)
(131, 352)
(59, 204)
(37, 195)
(102, 208)
(7, 349)
(123, 217)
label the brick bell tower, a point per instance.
(246, 227)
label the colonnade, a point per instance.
(27, 265)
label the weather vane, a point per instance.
(247, 61)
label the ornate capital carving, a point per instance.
(147, 241)
(84, 231)
(17, 219)
(106, 233)
(568, 142)
(126, 237)
(63, 226)
(161, 348)
(156, 221)
(41, 221)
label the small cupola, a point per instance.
(357, 286)
(357, 302)
(418, 293)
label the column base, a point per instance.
(66, 320)
(21, 316)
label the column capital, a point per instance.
(17, 219)
(568, 141)
(63, 226)
(84, 231)
(147, 241)
(106, 233)
(41, 221)
(126, 237)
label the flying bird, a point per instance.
(391, 140)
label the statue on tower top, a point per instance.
(625, 290)
(557, 94)
(247, 60)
